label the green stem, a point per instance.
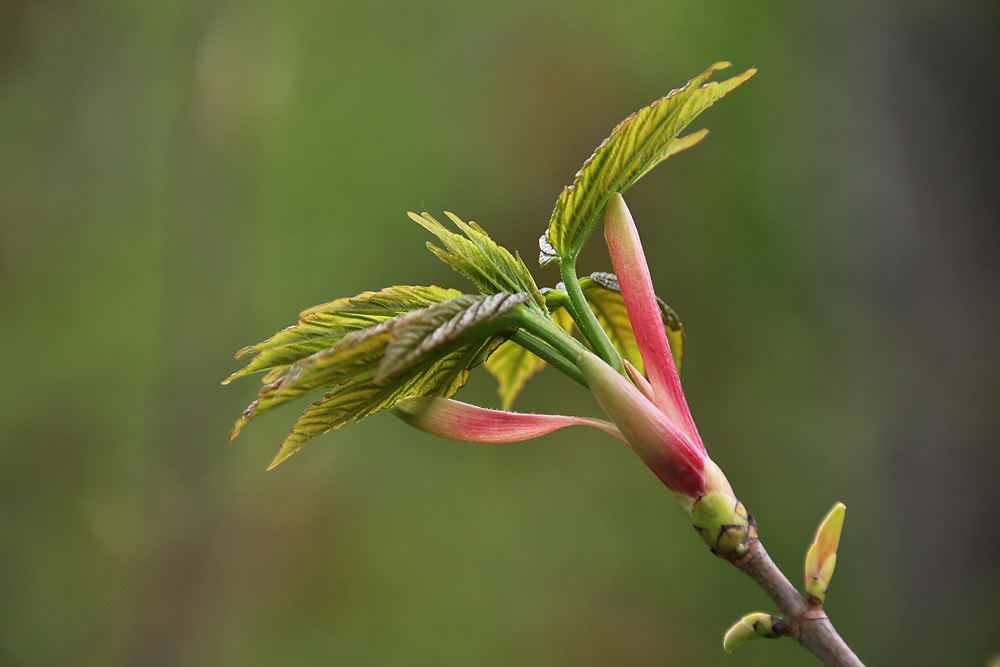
(544, 327)
(585, 318)
(549, 355)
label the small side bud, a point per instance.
(821, 559)
(753, 626)
(724, 524)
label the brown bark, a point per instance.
(807, 624)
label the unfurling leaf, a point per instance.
(546, 253)
(821, 559)
(635, 146)
(416, 335)
(403, 350)
(321, 327)
(605, 299)
(359, 396)
(477, 257)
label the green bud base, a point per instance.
(724, 524)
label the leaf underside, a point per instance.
(635, 146)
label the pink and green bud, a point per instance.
(639, 380)
(447, 418)
(643, 310)
(654, 415)
(679, 461)
(821, 559)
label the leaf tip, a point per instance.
(695, 137)
(281, 456)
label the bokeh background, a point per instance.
(179, 179)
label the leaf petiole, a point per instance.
(548, 354)
(585, 318)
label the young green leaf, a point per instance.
(512, 366)
(359, 396)
(477, 257)
(418, 334)
(388, 348)
(355, 353)
(635, 146)
(322, 326)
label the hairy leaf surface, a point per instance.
(418, 334)
(635, 146)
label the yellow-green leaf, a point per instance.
(605, 299)
(512, 366)
(359, 396)
(635, 146)
(477, 257)
(418, 334)
(323, 326)
(356, 352)
(415, 352)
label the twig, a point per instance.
(813, 630)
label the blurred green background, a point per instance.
(179, 179)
